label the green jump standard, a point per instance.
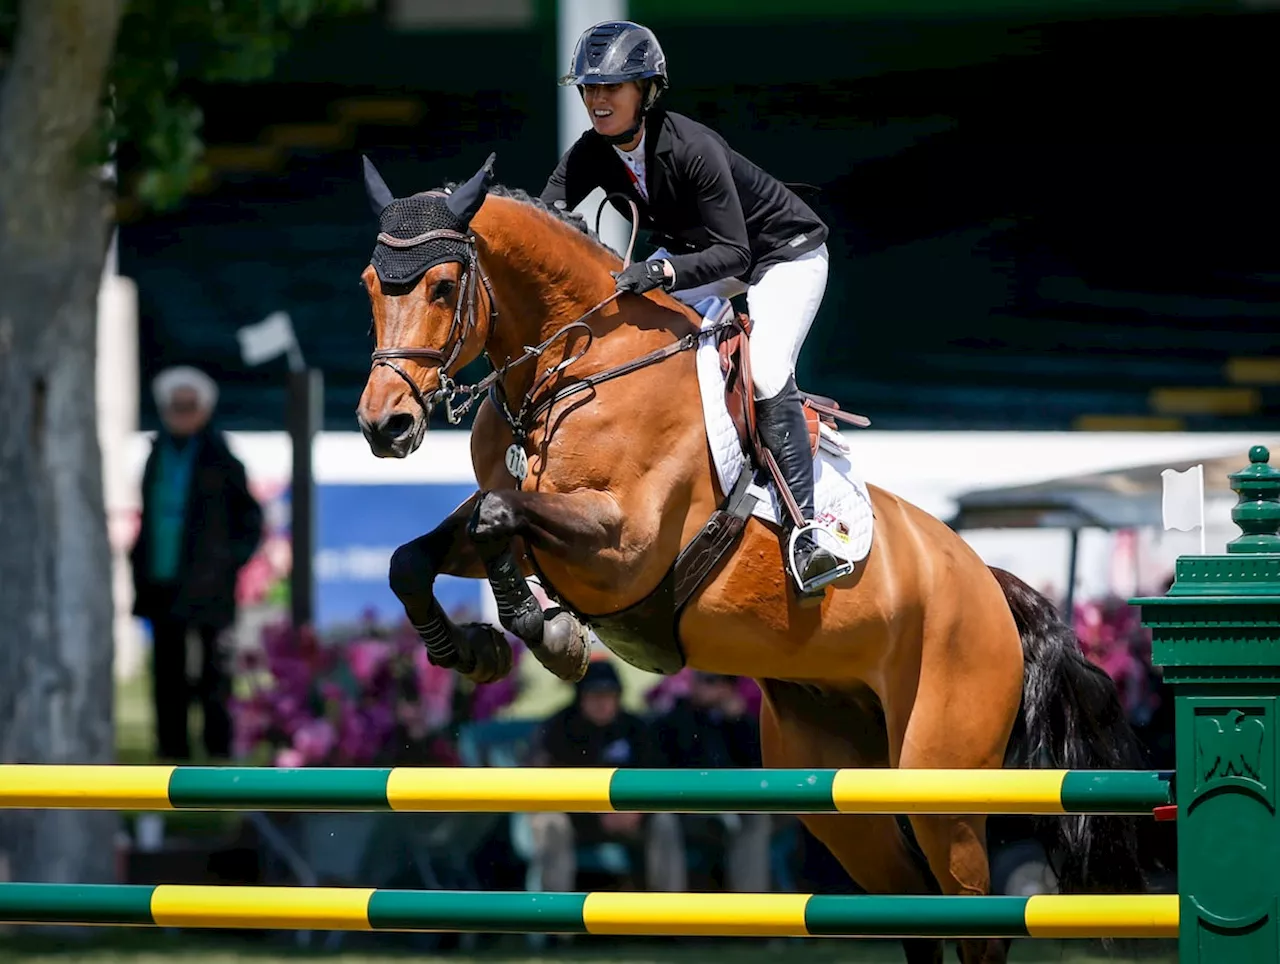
(1217, 636)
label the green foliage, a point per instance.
(163, 48)
(166, 46)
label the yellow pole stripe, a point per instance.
(761, 915)
(93, 787)
(302, 908)
(500, 789)
(947, 791)
(1124, 915)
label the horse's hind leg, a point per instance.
(575, 526)
(963, 711)
(801, 727)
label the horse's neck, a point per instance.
(544, 277)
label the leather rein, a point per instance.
(464, 324)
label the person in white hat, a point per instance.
(200, 525)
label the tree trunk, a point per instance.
(55, 564)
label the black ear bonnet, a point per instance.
(410, 221)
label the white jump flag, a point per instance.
(271, 336)
(1183, 504)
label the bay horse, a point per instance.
(594, 473)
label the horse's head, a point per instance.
(422, 284)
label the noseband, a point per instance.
(464, 323)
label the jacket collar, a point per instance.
(658, 138)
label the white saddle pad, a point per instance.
(841, 500)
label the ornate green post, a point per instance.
(1217, 635)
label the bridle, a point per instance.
(464, 323)
(465, 314)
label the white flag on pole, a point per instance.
(270, 337)
(1183, 503)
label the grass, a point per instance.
(133, 720)
(126, 947)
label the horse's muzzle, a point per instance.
(393, 436)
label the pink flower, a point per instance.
(288, 757)
(250, 723)
(314, 740)
(253, 580)
(367, 659)
(336, 703)
(277, 639)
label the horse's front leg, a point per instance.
(575, 527)
(475, 650)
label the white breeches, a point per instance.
(782, 306)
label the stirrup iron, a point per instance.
(824, 538)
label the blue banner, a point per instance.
(359, 527)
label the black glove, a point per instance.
(641, 277)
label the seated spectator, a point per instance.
(711, 728)
(594, 731)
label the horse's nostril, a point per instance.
(396, 426)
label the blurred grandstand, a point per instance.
(1044, 215)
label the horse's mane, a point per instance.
(564, 215)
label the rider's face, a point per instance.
(613, 108)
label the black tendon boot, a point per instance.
(783, 431)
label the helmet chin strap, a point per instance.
(627, 135)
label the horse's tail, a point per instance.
(1071, 718)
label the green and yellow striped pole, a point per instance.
(584, 789)
(708, 915)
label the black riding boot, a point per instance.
(783, 431)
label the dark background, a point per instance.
(1035, 225)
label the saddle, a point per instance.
(739, 397)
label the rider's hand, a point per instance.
(644, 276)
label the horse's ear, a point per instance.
(466, 200)
(379, 194)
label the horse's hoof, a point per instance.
(566, 648)
(486, 654)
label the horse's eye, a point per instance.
(443, 290)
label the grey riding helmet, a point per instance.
(616, 51)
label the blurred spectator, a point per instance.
(594, 731)
(712, 728)
(199, 526)
(662, 697)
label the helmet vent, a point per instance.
(636, 58)
(598, 44)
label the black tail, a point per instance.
(1071, 718)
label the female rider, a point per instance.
(736, 229)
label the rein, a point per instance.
(464, 323)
